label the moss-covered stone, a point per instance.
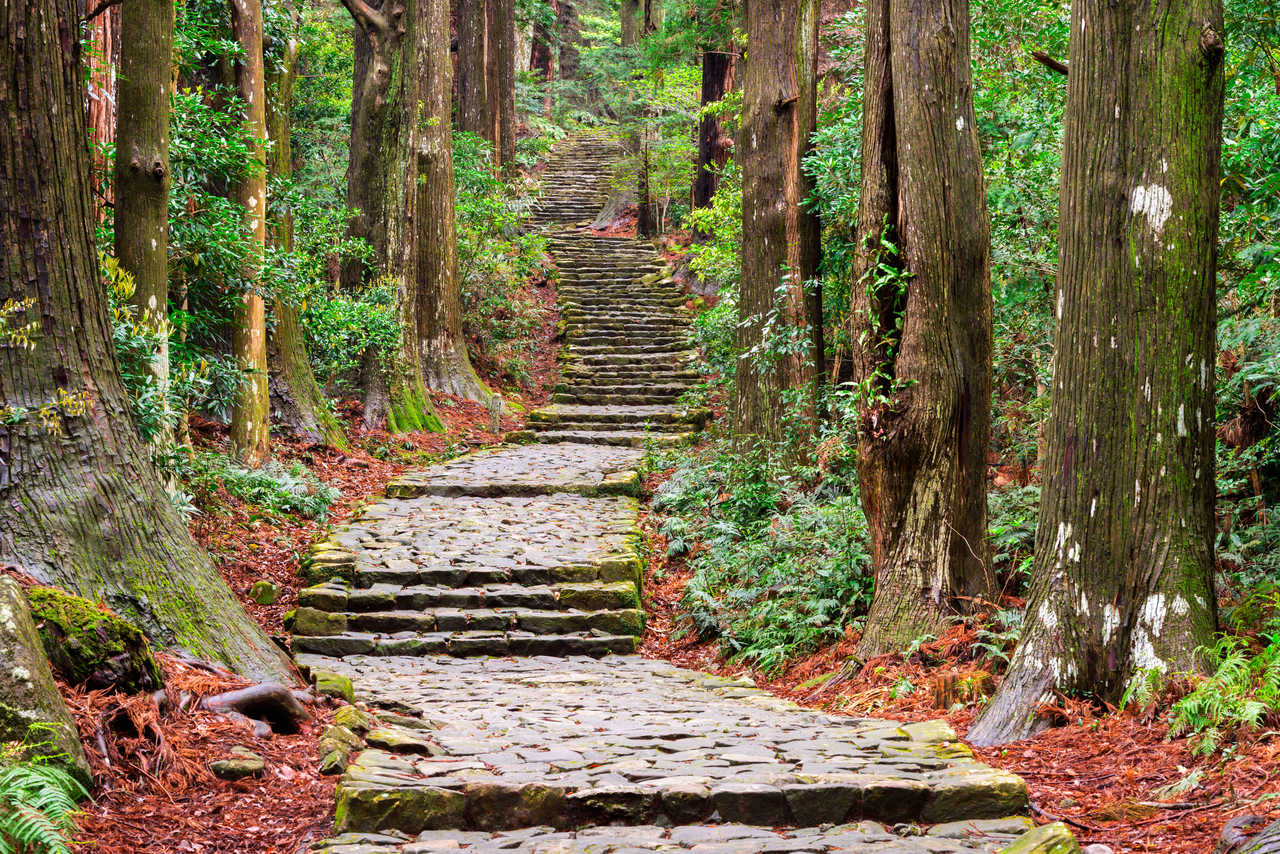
(31, 709)
(91, 646)
(353, 718)
(1046, 839)
(332, 684)
(263, 592)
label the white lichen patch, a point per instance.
(1155, 203)
(1110, 621)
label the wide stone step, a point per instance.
(522, 471)
(564, 413)
(675, 389)
(310, 622)
(465, 644)
(656, 428)
(513, 743)
(620, 438)
(590, 596)
(615, 399)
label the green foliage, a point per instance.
(1243, 693)
(37, 803)
(275, 487)
(1011, 529)
(778, 569)
(496, 261)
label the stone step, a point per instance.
(575, 427)
(465, 644)
(511, 743)
(675, 389)
(564, 413)
(621, 438)
(337, 597)
(612, 399)
(310, 622)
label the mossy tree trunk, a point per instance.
(780, 237)
(923, 361)
(378, 148)
(473, 104)
(629, 18)
(492, 78)
(250, 417)
(1123, 577)
(81, 505)
(647, 220)
(714, 145)
(297, 403)
(103, 39)
(142, 160)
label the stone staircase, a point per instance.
(626, 361)
(527, 550)
(576, 180)
(479, 619)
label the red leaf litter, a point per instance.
(1098, 770)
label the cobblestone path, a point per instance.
(483, 618)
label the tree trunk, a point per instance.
(296, 400)
(492, 76)
(473, 108)
(570, 55)
(250, 434)
(1123, 579)
(103, 39)
(506, 73)
(924, 361)
(378, 140)
(142, 161)
(81, 505)
(780, 237)
(629, 14)
(713, 143)
(434, 353)
(542, 59)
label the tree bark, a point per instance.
(81, 505)
(570, 55)
(629, 14)
(780, 237)
(104, 53)
(492, 76)
(434, 354)
(250, 433)
(924, 361)
(379, 141)
(473, 107)
(142, 161)
(714, 144)
(1123, 578)
(542, 59)
(296, 400)
(506, 73)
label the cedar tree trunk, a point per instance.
(379, 142)
(142, 160)
(506, 73)
(780, 237)
(1123, 578)
(473, 108)
(923, 361)
(297, 402)
(81, 505)
(250, 416)
(713, 143)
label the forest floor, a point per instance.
(155, 792)
(1114, 777)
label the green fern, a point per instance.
(1242, 693)
(37, 804)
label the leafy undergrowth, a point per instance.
(1116, 777)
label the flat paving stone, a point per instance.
(980, 837)
(631, 740)
(529, 470)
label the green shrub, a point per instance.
(780, 571)
(275, 487)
